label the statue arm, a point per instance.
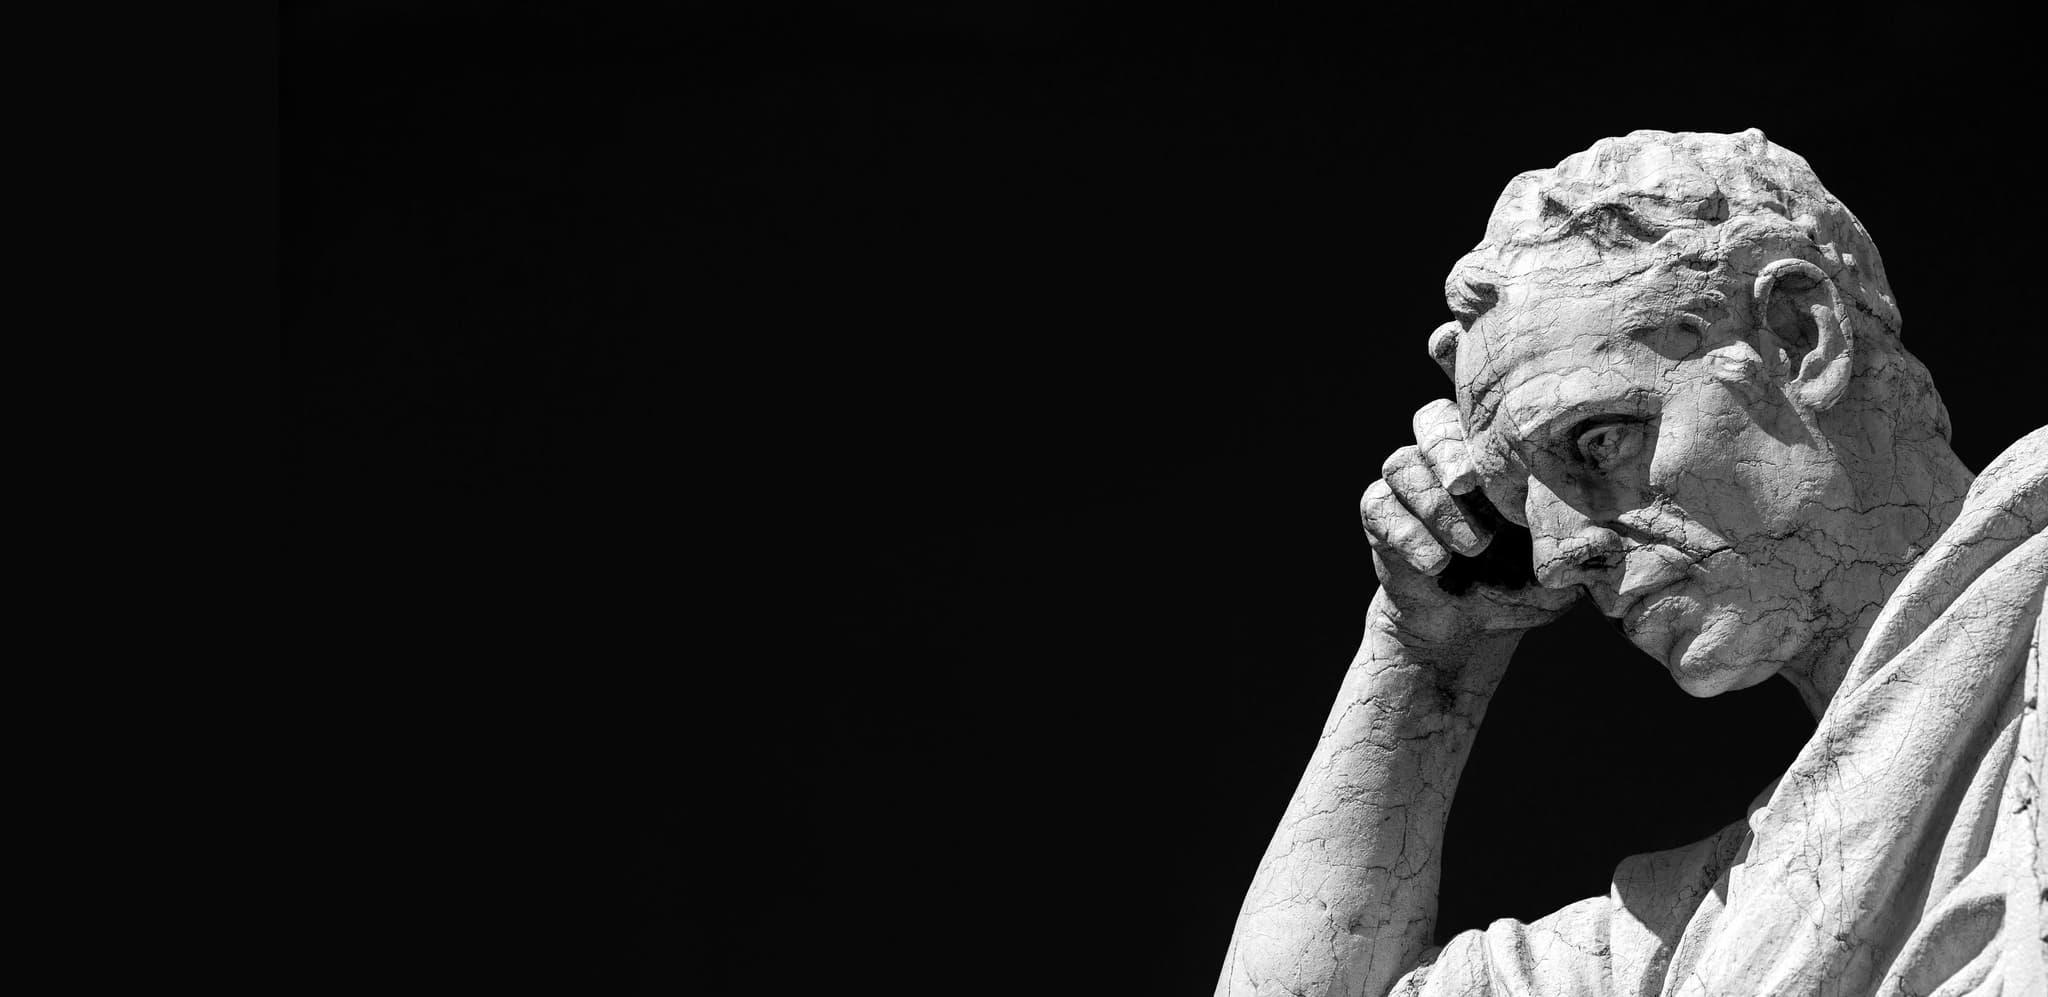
(1344, 901)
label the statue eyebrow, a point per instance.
(1483, 414)
(1640, 319)
(1634, 323)
(1635, 402)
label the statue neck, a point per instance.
(1918, 491)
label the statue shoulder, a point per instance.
(2018, 478)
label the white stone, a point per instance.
(1679, 367)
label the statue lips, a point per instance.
(1648, 570)
(1651, 621)
(1653, 572)
(1636, 606)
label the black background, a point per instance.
(867, 500)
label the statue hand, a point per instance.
(1450, 567)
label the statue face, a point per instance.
(1675, 483)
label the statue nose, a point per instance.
(1567, 546)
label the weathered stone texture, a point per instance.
(1678, 366)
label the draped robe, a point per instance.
(1901, 855)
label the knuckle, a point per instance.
(1400, 460)
(1451, 516)
(1418, 486)
(1434, 411)
(1373, 501)
(1435, 417)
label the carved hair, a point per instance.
(1725, 205)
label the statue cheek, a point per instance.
(1705, 464)
(1698, 447)
(1673, 475)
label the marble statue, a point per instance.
(1681, 392)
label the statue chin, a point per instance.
(1722, 648)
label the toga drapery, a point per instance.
(1901, 855)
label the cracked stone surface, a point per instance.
(1681, 392)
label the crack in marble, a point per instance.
(1679, 369)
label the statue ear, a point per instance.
(1799, 310)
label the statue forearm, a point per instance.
(1345, 899)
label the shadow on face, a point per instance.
(1699, 511)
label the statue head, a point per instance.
(1679, 364)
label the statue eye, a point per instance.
(1606, 445)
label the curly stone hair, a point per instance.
(1725, 205)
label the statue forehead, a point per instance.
(1548, 327)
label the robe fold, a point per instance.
(1901, 855)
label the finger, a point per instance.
(1394, 528)
(1441, 435)
(1415, 483)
